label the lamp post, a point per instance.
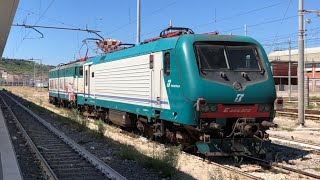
(289, 71)
(34, 69)
(301, 12)
(138, 21)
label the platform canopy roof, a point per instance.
(7, 12)
(311, 55)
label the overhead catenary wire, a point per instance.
(40, 17)
(48, 18)
(283, 18)
(239, 14)
(260, 24)
(36, 23)
(228, 18)
(134, 20)
(59, 28)
(229, 30)
(312, 40)
(56, 27)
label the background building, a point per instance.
(280, 66)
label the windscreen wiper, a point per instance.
(202, 71)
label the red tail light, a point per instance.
(202, 101)
(280, 100)
(278, 103)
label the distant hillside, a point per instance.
(23, 67)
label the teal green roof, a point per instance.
(165, 44)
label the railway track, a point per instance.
(59, 156)
(313, 147)
(310, 145)
(240, 173)
(313, 117)
(295, 170)
(236, 171)
(286, 168)
(250, 176)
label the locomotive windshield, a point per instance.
(241, 57)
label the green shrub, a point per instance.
(164, 163)
(100, 127)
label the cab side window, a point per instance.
(76, 73)
(81, 71)
(86, 77)
(166, 68)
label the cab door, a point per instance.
(159, 72)
(165, 80)
(156, 69)
(86, 69)
(75, 80)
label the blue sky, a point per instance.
(271, 22)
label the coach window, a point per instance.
(75, 71)
(166, 68)
(81, 71)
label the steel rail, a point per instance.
(308, 111)
(296, 171)
(226, 167)
(292, 114)
(300, 142)
(47, 169)
(104, 168)
(272, 164)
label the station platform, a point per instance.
(9, 168)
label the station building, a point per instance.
(280, 67)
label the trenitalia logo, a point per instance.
(238, 97)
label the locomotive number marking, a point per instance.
(238, 98)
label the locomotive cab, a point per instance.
(229, 85)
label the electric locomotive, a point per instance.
(211, 93)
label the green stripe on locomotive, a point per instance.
(58, 95)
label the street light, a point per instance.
(301, 61)
(34, 69)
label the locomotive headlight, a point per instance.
(214, 108)
(267, 107)
(205, 108)
(261, 107)
(264, 107)
(201, 103)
